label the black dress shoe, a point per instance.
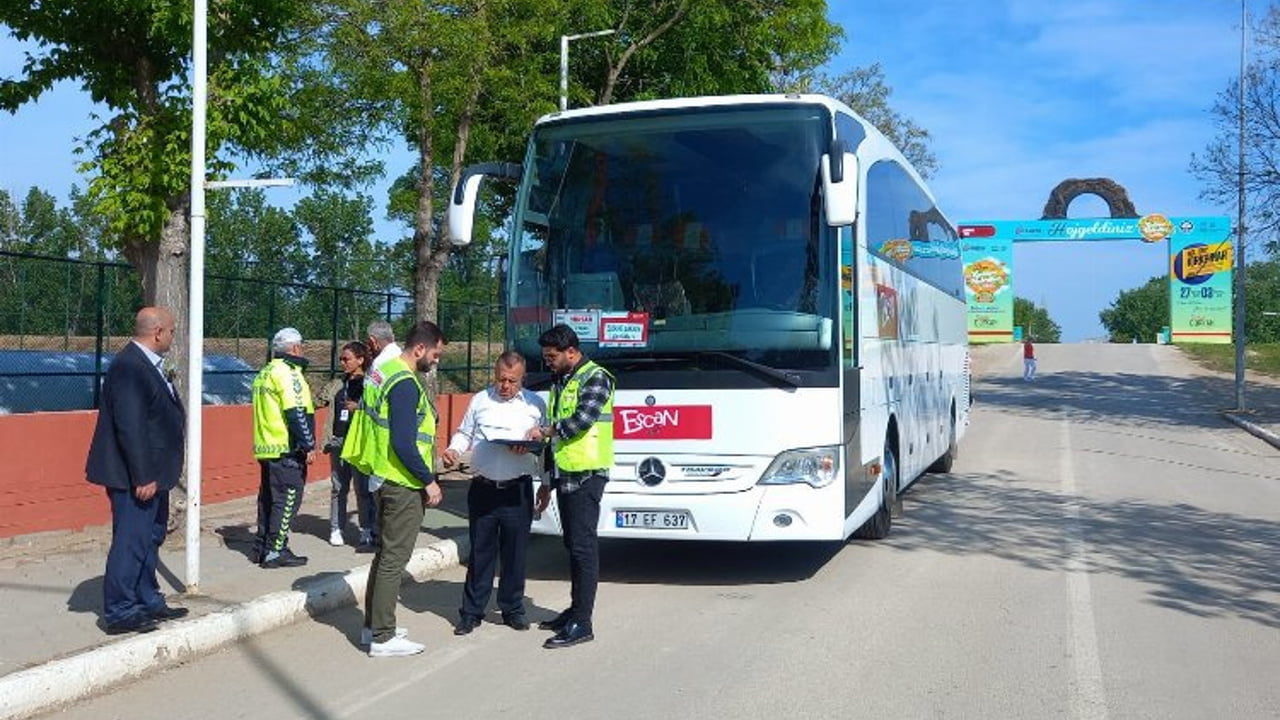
(466, 625)
(555, 624)
(166, 612)
(140, 623)
(574, 633)
(286, 558)
(516, 621)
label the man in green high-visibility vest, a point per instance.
(284, 443)
(581, 435)
(401, 458)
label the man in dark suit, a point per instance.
(136, 454)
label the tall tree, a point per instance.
(132, 57)
(1035, 321)
(1218, 166)
(464, 81)
(867, 92)
(1138, 313)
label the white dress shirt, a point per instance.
(388, 352)
(157, 362)
(489, 417)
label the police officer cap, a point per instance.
(286, 336)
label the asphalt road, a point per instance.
(1106, 547)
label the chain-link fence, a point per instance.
(62, 320)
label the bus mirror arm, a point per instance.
(462, 201)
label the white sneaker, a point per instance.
(366, 634)
(335, 538)
(396, 647)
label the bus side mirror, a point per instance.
(840, 187)
(462, 201)
(462, 209)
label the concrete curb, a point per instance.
(1253, 428)
(58, 682)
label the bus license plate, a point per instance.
(652, 519)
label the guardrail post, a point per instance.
(333, 353)
(470, 345)
(101, 322)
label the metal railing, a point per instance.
(61, 320)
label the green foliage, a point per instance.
(133, 57)
(866, 91)
(1138, 313)
(464, 81)
(1141, 312)
(1035, 321)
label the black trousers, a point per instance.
(499, 530)
(579, 516)
(279, 495)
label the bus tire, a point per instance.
(878, 527)
(944, 463)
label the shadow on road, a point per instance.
(1204, 563)
(1116, 398)
(673, 562)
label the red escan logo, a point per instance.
(662, 422)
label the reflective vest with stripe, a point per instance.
(278, 387)
(384, 462)
(592, 450)
(357, 448)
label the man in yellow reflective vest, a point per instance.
(382, 344)
(284, 443)
(401, 458)
(581, 435)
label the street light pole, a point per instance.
(195, 304)
(1240, 210)
(564, 62)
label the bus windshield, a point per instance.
(701, 225)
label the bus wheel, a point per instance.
(877, 528)
(944, 463)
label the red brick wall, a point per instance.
(43, 486)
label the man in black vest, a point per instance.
(136, 454)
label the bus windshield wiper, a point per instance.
(783, 377)
(789, 379)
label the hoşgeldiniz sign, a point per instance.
(1200, 261)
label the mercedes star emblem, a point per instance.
(651, 471)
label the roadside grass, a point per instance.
(1260, 358)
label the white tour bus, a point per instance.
(776, 292)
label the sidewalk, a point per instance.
(51, 583)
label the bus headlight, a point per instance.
(814, 466)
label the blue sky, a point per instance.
(1018, 95)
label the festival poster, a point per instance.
(988, 283)
(1201, 258)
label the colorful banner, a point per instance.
(988, 287)
(1200, 294)
(1148, 228)
(1200, 262)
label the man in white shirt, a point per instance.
(500, 499)
(382, 343)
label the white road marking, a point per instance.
(1088, 701)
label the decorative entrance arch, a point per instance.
(1200, 260)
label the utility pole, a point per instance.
(1238, 329)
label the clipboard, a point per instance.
(532, 446)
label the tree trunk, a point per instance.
(426, 274)
(615, 71)
(164, 272)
